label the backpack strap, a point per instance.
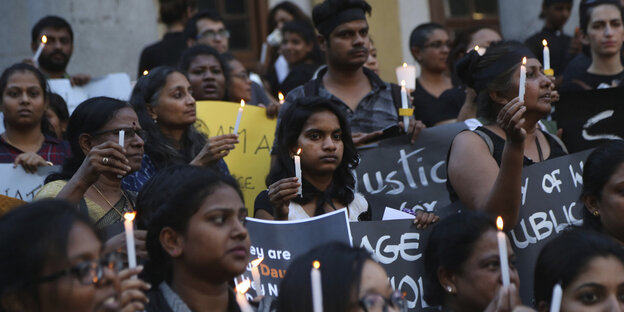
(487, 140)
(395, 90)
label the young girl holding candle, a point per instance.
(485, 166)
(592, 279)
(197, 242)
(462, 266)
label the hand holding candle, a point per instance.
(317, 288)
(298, 171)
(502, 251)
(122, 139)
(522, 83)
(280, 97)
(255, 273)
(35, 58)
(241, 289)
(129, 228)
(239, 116)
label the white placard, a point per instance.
(17, 183)
(116, 85)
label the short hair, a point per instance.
(190, 30)
(50, 21)
(587, 7)
(577, 246)
(201, 49)
(328, 9)
(450, 244)
(421, 33)
(172, 11)
(289, 7)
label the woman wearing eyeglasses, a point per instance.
(91, 178)
(56, 263)
(351, 281)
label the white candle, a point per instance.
(280, 97)
(502, 251)
(44, 40)
(122, 138)
(263, 53)
(239, 116)
(522, 80)
(479, 50)
(404, 105)
(129, 227)
(255, 273)
(298, 171)
(555, 302)
(317, 289)
(546, 55)
(241, 289)
(407, 73)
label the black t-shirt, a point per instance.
(298, 75)
(558, 45)
(164, 52)
(262, 202)
(583, 81)
(431, 110)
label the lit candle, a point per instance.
(280, 97)
(547, 70)
(522, 80)
(555, 302)
(317, 289)
(298, 171)
(122, 136)
(145, 72)
(407, 73)
(239, 116)
(255, 273)
(404, 105)
(502, 251)
(129, 227)
(241, 289)
(479, 50)
(44, 40)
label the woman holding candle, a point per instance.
(593, 281)
(197, 242)
(166, 110)
(462, 266)
(350, 281)
(27, 140)
(485, 166)
(57, 264)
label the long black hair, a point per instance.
(33, 236)
(341, 267)
(89, 117)
(46, 128)
(288, 132)
(306, 31)
(289, 7)
(601, 164)
(188, 188)
(160, 148)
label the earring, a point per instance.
(155, 120)
(449, 289)
(595, 212)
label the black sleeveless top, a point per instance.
(498, 144)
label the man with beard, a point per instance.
(369, 103)
(58, 49)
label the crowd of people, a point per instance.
(65, 250)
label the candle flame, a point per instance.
(256, 262)
(145, 72)
(242, 103)
(404, 65)
(316, 264)
(524, 60)
(402, 83)
(544, 42)
(499, 223)
(476, 48)
(243, 287)
(44, 39)
(299, 151)
(130, 215)
(280, 96)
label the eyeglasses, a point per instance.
(437, 44)
(377, 302)
(130, 133)
(89, 272)
(211, 34)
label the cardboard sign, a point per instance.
(17, 183)
(250, 161)
(590, 118)
(407, 177)
(117, 86)
(280, 242)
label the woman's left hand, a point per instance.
(272, 110)
(132, 297)
(424, 219)
(30, 161)
(216, 148)
(413, 129)
(118, 243)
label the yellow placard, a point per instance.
(250, 161)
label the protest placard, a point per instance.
(250, 160)
(280, 242)
(589, 118)
(19, 184)
(115, 85)
(407, 177)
